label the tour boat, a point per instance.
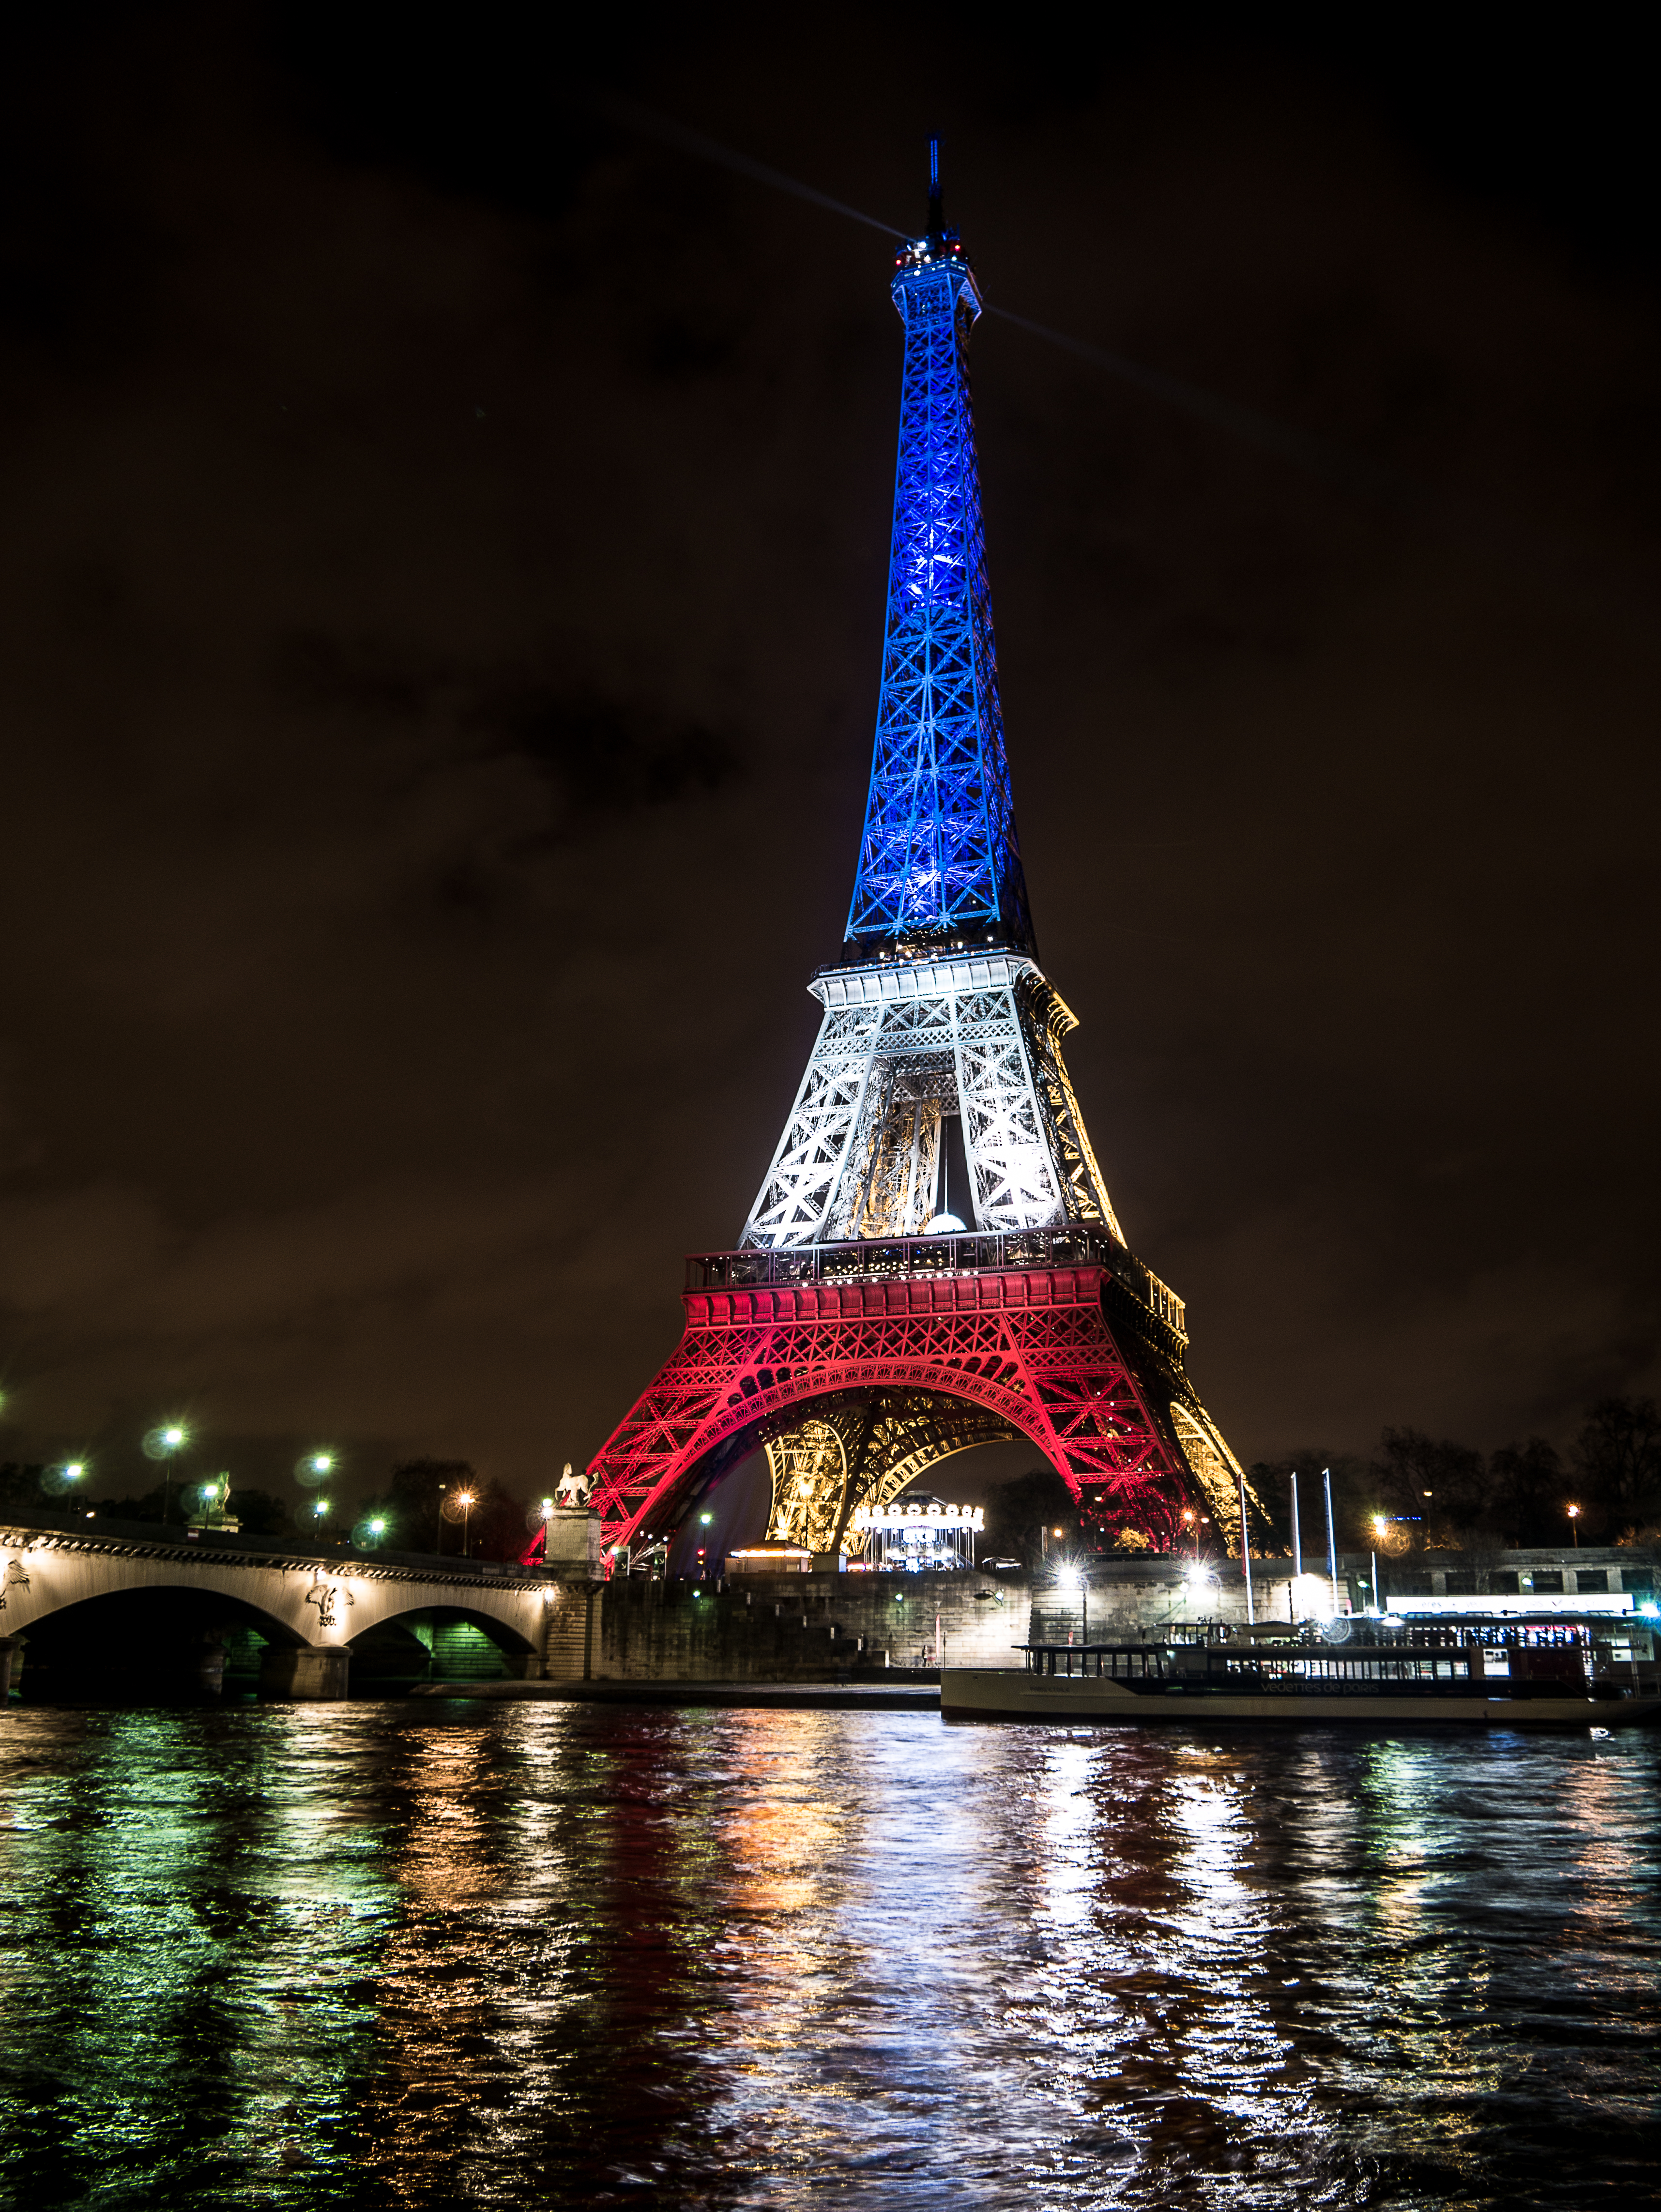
(1502, 1674)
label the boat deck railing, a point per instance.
(1246, 1665)
(1566, 1668)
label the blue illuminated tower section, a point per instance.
(938, 859)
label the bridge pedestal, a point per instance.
(571, 1630)
(8, 1646)
(304, 1670)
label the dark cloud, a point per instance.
(440, 596)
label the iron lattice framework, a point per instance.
(1030, 1344)
(937, 856)
(862, 1449)
(866, 1328)
(905, 1046)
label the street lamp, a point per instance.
(57, 1481)
(455, 1505)
(1073, 1578)
(1193, 1526)
(161, 1443)
(1574, 1524)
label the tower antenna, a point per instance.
(936, 222)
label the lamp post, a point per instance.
(59, 1481)
(173, 1438)
(1192, 1524)
(1297, 1536)
(1379, 1524)
(1072, 1578)
(1574, 1524)
(465, 1502)
(1296, 1591)
(161, 1443)
(1332, 1540)
(1245, 1555)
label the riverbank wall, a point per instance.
(782, 1628)
(829, 1627)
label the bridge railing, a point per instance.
(96, 1531)
(875, 1259)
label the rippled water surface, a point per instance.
(535, 1954)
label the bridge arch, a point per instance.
(445, 1643)
(134, 1640)
(309, 1611)
(986, 1385)
(185, 1599)
(1030, 1343)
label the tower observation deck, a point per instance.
(932, 1258)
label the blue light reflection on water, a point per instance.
(531, 1954)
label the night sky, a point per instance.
(444, 542)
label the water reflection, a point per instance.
(541, 1956)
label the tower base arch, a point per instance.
(1049, 1341)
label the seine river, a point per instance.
(532, 1954)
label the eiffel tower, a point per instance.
(932, 1261)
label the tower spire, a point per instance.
(939, 860)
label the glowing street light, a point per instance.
(59, 1480)
(1072, 1578)
(161, 1443)
(1379, 1525)
(1574, 1524)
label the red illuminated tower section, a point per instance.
(932, 1258)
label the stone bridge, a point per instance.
(107, 1603)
